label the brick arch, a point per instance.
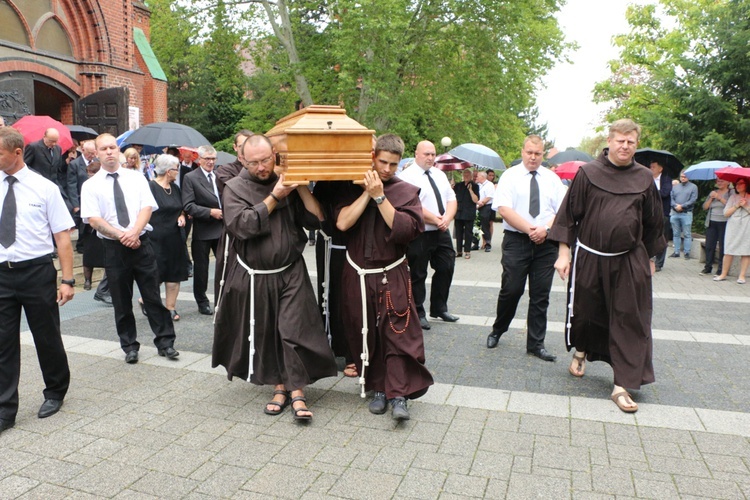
(30, 66)
(43, 20)
(86, 29)
(23, 20)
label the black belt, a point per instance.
(26, 263)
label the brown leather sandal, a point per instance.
(580, 362)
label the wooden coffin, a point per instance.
(321, 143)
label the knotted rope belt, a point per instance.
(580, 245)
(329, 246)
(365, 356)
(252, 272)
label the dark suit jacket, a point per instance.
(75, 177)
(665, 191)
(198, 199)
(36, 156)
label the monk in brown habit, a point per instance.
(379, 224)
(612, 218)
(268, 282)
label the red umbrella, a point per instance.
(447, 162)
(733, 174)
(193, 152)
(568, 169)
(32, 129)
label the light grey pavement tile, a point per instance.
(621, 434)
(420, 483)
(599, 456)
(722, 445)
(336, 455)
(674, 417)
(582, 481)
(522, 486)
(46, 491)
(364, 484)
(247, 454)
(102, 448)
(129, 494)
(550, 472)
(492, 465)
(181, 423)
(497, 488)
(476, 397)
(612, 480)
(281, 481)
(106, 478)
(298, 452)
(667, 435)
(473, 414)
(177, 460)
(134, 454)
(389, 460)
(539, 404)
(14, 460)
(504, 421)
(459, 443)
(87, 461)
(50, 470)
(433, 413)
(322, 484)
(586, 440)
(522, 465)
(599, 410)
(195, 440)
(428, 432)
(545, 425)
(443, 462)
(163, 485)
(365, 438)
(465, 486)
(626, 453)
(567, 458)
(14, 486)
(654, 448)
(692, 468)
(58, 444)
(703, 487)
(437, 394)
(108, 426)
(507, 442)
(207, 469)
(725, 463)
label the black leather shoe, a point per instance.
(492, 340)
(107, 299)
(49, 407)
(424, 323)
(543, 354)
(399, 410)
(6, 424)
(488, 248)
(131, 357)
(674, 255)
(205, 309)
(378, 405)
(475, 247)
(446, 316)
(87, 285)
(169, 352)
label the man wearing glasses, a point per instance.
(200, 199)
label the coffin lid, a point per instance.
(318, 119)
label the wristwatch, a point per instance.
(71, 282)
(379, 199)
(547, 228)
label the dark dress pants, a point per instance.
(715, 234)
(521, 259)
(660, 258)
(433, 248)
(123, 266)
(485, 220)
(201, 253)
(35, 289)
(463, 230)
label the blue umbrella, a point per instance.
(705, 170)
(123, 144)
(405, 162)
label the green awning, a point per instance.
(148, 55)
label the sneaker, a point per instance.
(675, 255)
(399, 410)
(704, 272)
(378, 405)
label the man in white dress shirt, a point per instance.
(434, 246)
(528, 197)
(484, 205)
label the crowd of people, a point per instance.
(606, 233)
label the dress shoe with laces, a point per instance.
(399, 410)
(424, 323)
(205, 309)
(543, 354)
(168, 352)
(445, 316)
(107, 299)
(492, 340)
(49, 407)
(6, 424)
(379, 404)
(87, 285)
(131, 357)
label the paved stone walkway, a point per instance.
(498, 423)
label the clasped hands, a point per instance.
(537, 234)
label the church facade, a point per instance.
(82, 62)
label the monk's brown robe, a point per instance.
(394, 335)
(224, 173)
(613, 209)
(291, 346)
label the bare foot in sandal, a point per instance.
(299, 407)
(351, 370)
(578, 365)
(623, 400)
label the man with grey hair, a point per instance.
(201, 201)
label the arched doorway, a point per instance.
(23, 93)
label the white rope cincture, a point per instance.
(365, 356)
(223, 276)
(327, 279)
(251, 337)
(579, 245)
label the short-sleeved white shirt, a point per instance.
(98, 197)
(40, 213)
(416, 175)
(513, 191)
(487, 190)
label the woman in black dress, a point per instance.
(168, 233)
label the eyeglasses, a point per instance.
(264, 161)
(208, 158)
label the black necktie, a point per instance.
(8, 217)
(533, 195)
(122, 209)
(441, 209)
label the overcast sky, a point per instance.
(566, 104)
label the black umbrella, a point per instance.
(569, 155)
(167, 134)
(81, 133)
(672, 166)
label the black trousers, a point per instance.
(35, 289)
(521, 259)
(463, 230)
(660, 258)
(715, 234)
(123, 266)
(201, 253)
(485, 220)
(433, 248)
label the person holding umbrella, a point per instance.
(737, 238)
(467, 197)
(716, 225)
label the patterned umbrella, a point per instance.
(447, 162)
